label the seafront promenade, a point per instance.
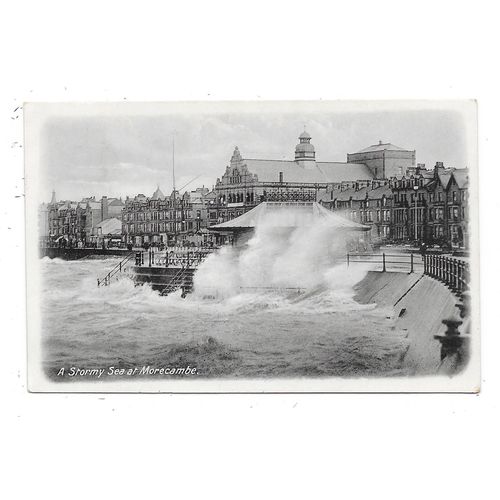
(75, 253)
(67, 253)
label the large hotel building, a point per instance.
(249, 181)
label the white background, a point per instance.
(246, 446)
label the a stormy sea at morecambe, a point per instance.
(253, 333)
(245, 318)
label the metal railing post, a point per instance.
(466, 276)
(455, 275)
(383, 262)
(411, 263)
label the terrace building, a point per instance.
(421, 205)
(368, 203)
(169, 220)
(73, 223)
(411, 204)
(65, 221)
(448, 206)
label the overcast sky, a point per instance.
(120, 154)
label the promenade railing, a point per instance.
(120, 267)
(402, 262)
(184, 257)
(453, 272)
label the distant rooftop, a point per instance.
(322, 172)
(382, 146)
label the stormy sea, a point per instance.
(246, 318)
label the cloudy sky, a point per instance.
(126, 149)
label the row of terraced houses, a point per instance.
(381, 186)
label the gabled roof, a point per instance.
(387, 146)
(158, 195)
(379, 192)
(427, 174)
(461, 176)
(444, 177)
(322, 172)
(289, 215)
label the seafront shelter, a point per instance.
(286, 216)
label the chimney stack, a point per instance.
(104, 208)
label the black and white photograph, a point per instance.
(321, 246)
(250, 250)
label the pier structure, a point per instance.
(169, 270)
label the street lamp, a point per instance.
(415, 188)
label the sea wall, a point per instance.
(419, 304)
(80, 253)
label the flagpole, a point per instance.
(173, 182)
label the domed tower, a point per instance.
(305, 155)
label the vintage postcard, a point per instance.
(252, 246)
